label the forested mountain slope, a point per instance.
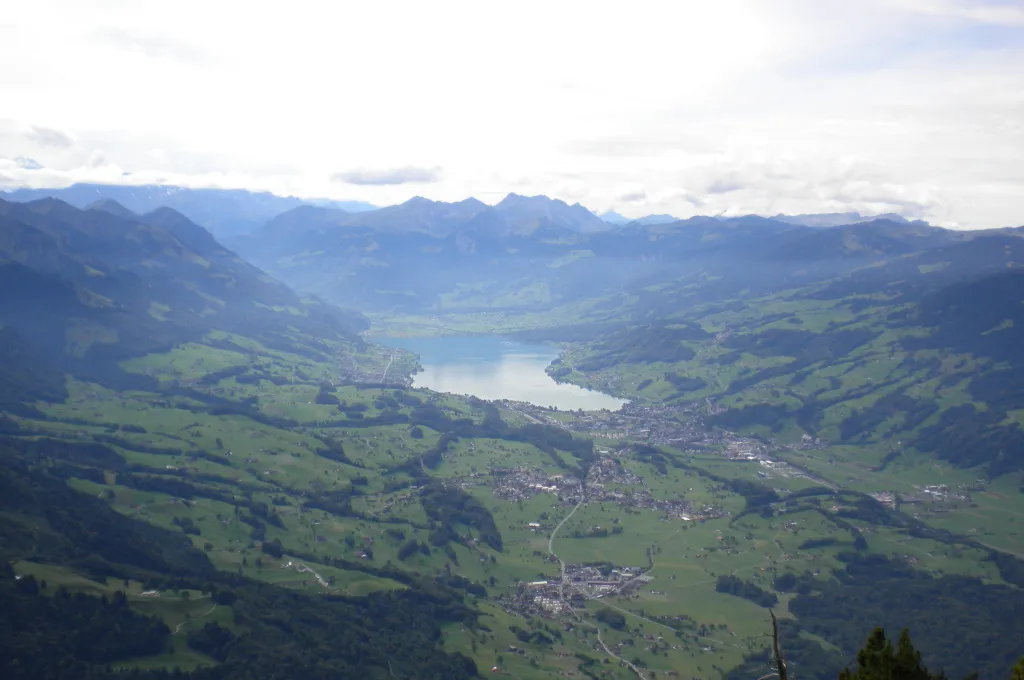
(924, 349)
(89, 288)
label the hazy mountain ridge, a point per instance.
(415, 215)
(513, 216)
(612, 217)
(111, 206)
(841, 219)
(95, 288)
(224, 212)
(541, 244)
(235, 212)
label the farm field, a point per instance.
(280, 474)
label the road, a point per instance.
(551, 542)
(527, 416)
(606, 603)
(177, 628)
(303, 569)
(561, 590)
(615, 656)
(384, 375)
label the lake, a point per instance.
(490, 367)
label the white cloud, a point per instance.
(633, 196)
(27, 163)
(909, 105)
(44, 136)
(388, 176)
(153, 46)
(999, 13)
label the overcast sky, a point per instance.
(683, 107)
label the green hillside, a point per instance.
(257, 491)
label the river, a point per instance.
(491, 367)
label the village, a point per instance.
(607, 481)
(680, 426)
(549, 598)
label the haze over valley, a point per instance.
(459, 341)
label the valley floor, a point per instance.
(642, 543)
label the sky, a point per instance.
(682, 107)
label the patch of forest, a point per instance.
(449, 506)
(643, 344)
(734, 585)
(962, 624)
(281, 633)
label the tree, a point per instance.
(1018, 671)
(780, 663)
(879, 661)
(611, 618)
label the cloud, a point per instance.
(922, 97)
(44, 136)
(625, 147)
(687, 198)
(995, 13)
(913, 201)
(723, 186)
(408, 174)
(636, 196)
(27, 163)
(153, 46)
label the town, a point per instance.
(604, 483)
(548, 598)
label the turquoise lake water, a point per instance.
(490, 367)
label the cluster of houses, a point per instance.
(607, 481)
(548, 598)
(521, 483)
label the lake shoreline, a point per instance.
(496, 368)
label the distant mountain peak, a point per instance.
(45, 203)
(415, 201)
(523, 215)
(165, 214)
(612, 217)
(182, 228)
(109, 205)
(656, 219)
(511, 200)
(519, 199)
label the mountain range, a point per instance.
(224, 212)
(187, 429)
(514, 216)
(235, 212)
(524, 252)
(810, 220)
(615, 218)
(841, 219)
(86, 289)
